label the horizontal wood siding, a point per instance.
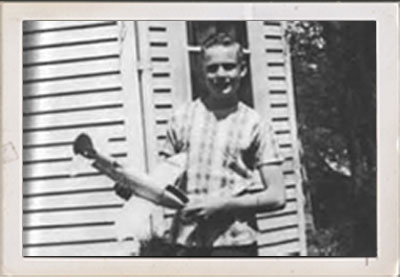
(72, 84)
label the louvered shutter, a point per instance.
(282, 233)
(78, 77)
(165, 82)
(165, 77)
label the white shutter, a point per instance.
(165, 77)
(164, 80)
(78, 77)
(282, 233)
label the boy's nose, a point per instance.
(221, 72)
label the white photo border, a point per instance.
(386, 16)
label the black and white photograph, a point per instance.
(199, 138)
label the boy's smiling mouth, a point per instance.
(223, 86)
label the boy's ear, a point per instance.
(243, 69)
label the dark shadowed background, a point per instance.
(334, 67)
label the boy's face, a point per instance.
(223, 71)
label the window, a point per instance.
(198, 31)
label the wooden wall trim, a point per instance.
(131, 97)
(295, 143)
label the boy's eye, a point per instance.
(214, 67)
(229, 66)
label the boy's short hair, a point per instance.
(222, 39)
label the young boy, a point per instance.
(216, 131)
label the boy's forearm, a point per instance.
(259, 202)
(272, 198)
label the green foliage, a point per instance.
(333, 241)
(335, 85)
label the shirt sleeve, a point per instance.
(174, 141)
(263, 148)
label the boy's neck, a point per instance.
(221, 104)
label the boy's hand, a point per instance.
(204, 209)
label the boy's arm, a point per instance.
(271, 198)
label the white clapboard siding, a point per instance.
(69, 218)
(71, 101)
(165, 77)
(72, 54)
(65, 200)
(53, 117)
(107, 132)
(53, 235)
(32, 153)
(31, 156)
(57, 166)
(51, 26)
(65, 165)
(273, 98)
(67, 185)
(78, 83)
(72, 36)
(107, 247)
(64, 69)
(76, 79)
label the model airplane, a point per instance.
(133, 183)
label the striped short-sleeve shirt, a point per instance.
(211, 143)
